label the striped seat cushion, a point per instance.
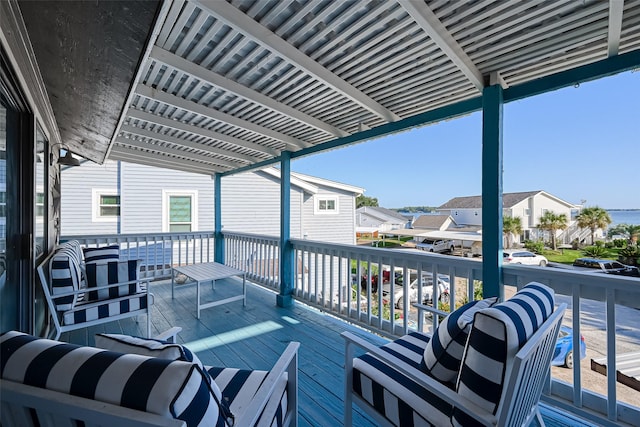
(94, 310)
(102, 254)
(495, 338)
(239, 386)
(109, 273)
(65, 276)
(174, 389)
(443, 354)
(398, 398)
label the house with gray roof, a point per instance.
(434, 222)
(371, 219)
(528, 205)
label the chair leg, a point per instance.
(538, 418)
(148, 323)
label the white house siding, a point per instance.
(142, 195)
(334, 228)
(466, 216)
(251, 204)
(77, 184)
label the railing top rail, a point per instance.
(116, 237)
(591, 285)
(249, 235)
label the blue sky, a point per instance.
(576, 143)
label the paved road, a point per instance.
(593, 329)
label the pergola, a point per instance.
(220, 87)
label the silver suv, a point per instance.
(436, 245)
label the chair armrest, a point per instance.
(450, 396)
(287, 362)
(169, 335)
(430, 309)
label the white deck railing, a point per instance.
(158, 252)
(328, 276)
(332, 277)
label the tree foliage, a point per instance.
(553, 222)
(593, 218)
(511, 226)
(363, 200)
(631, 232)
(415, 209)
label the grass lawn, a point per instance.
(567, 256)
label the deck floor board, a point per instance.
(253, 337)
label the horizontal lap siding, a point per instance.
(77, 185)
(142, 188)
(251, 204)
(333, 228)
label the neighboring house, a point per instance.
(529, 206)
(370, 219)
(120, 197)
(434, 222)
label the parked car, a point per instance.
(436, 245)
(563, 353)
(386, 277)
(427, 291)
(607, 266)
(524, 257)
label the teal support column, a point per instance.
(492, 191)
(285, 297)
(217, 227)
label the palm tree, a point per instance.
(511, 226)
(593, 218)
(553, 222)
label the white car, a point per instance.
(436, 245)
(427, 291)
(524, 257)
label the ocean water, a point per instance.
(631, 217)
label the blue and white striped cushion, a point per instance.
(443, 354)
(75, 246)
(239, 386)
(174, 389)
(398, 398)
(110, 273)
(146, 347)
(101, 255)
(95, 310)
(65, 276)
(496, 336)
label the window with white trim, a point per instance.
(106, 205)
(326, 205)
(179, 211)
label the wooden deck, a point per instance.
(252, 337)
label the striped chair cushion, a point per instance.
(101, 255)
(402, 401)
(77, 249)
(174, 389)
(147, 347)
(110, 273)
(95, 310)
(496, 336)
(443, 353)
(239, 386)
(66, 276)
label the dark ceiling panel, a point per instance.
(88, 54)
